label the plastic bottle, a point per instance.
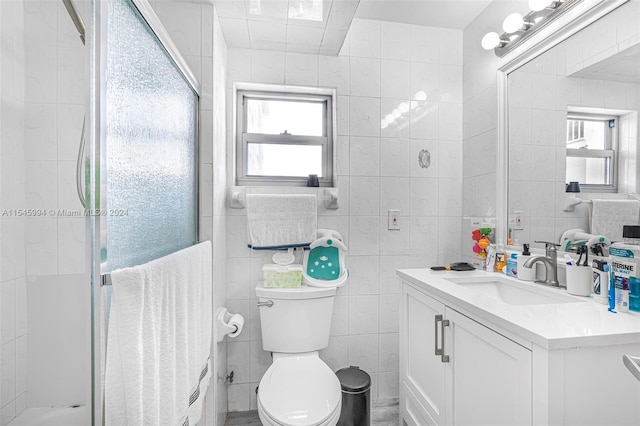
(600, 281)
(525, 274)
(625, 265)
(491, 257)
(501, 259)
(511, 268)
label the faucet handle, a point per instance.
(549, 246)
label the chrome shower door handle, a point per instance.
(268, 303)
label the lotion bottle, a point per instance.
(525, 274)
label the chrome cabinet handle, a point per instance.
(268, 303)
(443, 357)
(633, 365)
(438, 351)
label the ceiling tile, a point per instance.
(342, 14)
(267, 31)
(236, 32)
(309, 13)
(266, 10)
(304, 35)
(230, 8)
(303, 48)
(268, 45)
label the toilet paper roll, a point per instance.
(236, 320)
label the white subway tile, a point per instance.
(363, 352)
(364, 156)
(364, 275)
(364, 116)
(395, 41)
(364, 37)
(395, 79)
(389, 314)
(301, 69)
(394, 157)
(388, 358)
(364, 76)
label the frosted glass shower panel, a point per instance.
(151, 123)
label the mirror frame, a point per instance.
(580, 16)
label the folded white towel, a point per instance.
(608, 217)
(159, 340)
(281, 220)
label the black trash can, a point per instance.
(356, 385)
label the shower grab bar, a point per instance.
(75, 17)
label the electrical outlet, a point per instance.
(394, 219)
(518, 220)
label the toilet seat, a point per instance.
(300, 390)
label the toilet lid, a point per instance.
(299, 390)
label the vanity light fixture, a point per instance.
(518, 28)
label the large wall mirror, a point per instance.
(573, 116)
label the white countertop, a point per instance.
(552, 326)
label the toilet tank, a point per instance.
(299, 320)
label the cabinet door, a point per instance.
(488, 376)
(421, 371)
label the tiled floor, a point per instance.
(383, 413)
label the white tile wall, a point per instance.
(13, 330)
(382, 68)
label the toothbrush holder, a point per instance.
(579, 280)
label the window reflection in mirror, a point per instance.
(558, 103)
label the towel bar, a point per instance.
(105, 279)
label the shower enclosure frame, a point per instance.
(96, 225)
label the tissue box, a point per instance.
(282, 276)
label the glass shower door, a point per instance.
(144, 155)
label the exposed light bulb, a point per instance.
(490, 40)
(512, 23)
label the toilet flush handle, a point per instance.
(268, 303)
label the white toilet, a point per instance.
(298, 389)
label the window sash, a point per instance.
(243, 138)
(609, 153)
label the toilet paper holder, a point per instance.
(228, 324)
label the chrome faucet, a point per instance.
(550, 261)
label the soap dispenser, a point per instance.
(526, 274)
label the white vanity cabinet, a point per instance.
(470, 358)
(454, 370)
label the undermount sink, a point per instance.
(513, 293)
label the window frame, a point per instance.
(243, 138)
(610, 152)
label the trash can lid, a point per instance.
(352, 379)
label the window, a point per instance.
(282, 138)
(591, 151)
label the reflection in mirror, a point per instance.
(573, 116)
